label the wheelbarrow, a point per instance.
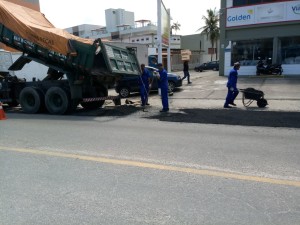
(250, 95)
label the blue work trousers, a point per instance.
(164, 98)
(144, 95)
(231, 95)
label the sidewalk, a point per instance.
(208, 91)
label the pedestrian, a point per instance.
(186, 72)
(144, 81)
(231, 85)
(163, 85)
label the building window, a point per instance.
(290, 50)
(147, 39)
(249, 52)
(133, 41)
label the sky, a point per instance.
(68, 13)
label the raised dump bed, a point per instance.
(87, 65)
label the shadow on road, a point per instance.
(112, 112)
(233, 117)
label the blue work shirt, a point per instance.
(163, 81)
(144, 78)
(232, 78)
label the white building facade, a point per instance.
(122, 29)
(121, 26)
(118, 17)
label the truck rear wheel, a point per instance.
(57, 101)
(91, 105)
(31, 100)
(100, 92)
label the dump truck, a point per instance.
(80, 70)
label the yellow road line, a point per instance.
(156, 166)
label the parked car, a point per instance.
(213, 65)
(129, 84)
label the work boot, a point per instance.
(164, 110)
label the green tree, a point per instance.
(176, 27)
(211, 28)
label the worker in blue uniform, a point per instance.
(144, 81)
(231, 85)
(163, 85)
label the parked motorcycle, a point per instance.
(266, 67)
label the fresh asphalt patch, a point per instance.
(232, 117)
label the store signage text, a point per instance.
(238, 18)
(296, 9)
(263, 13)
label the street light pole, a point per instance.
(169, 47)
(159, 34)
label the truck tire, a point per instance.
(95, 105)
(31, 100)
(57, 101)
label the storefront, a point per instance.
(267, 31)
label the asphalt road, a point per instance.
(198, 164)
(111, 170)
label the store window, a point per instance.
(240, 2)
(289, 49)
(254, 2)
(249, 52)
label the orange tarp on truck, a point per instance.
(33, 26)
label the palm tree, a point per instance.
(211, 28)
(175, 26)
